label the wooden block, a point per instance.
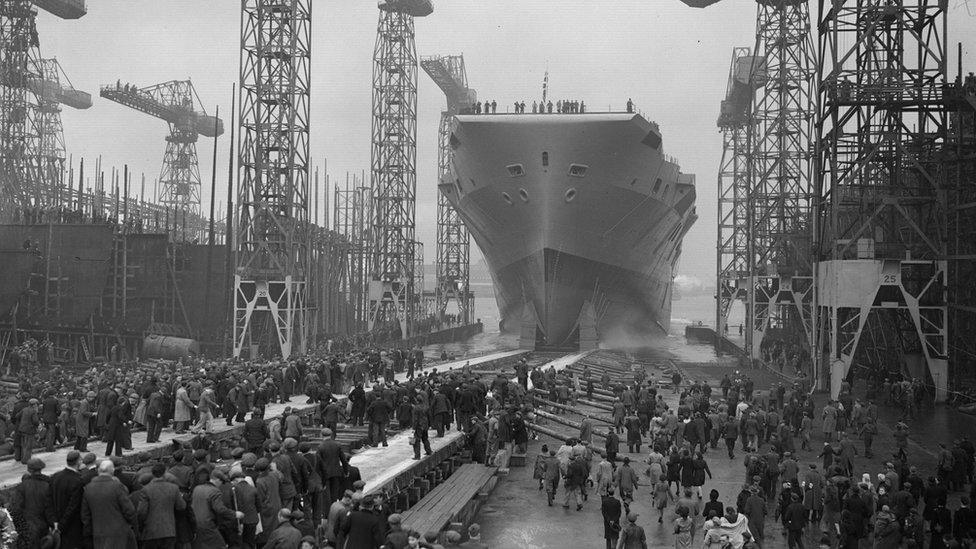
(517, 460)
(402, 502)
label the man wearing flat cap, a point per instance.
(209, 509)
(34, 496)
(269, 496)
(83, 421)
(67, 489)
(27, 420)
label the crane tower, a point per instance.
(884, 191)
(453, 241)
(746, 74)
(779, 290)
(781, 186)
(273, 233)
(173, 102)
(54, 92)
(21, 78)
(392, 292)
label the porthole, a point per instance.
(577, 170)
(657, 185)
(634, 182)
(570, 195)
(507, 198)
(523, 195)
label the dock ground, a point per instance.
(516, 515)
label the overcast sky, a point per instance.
(671, 59)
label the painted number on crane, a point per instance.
(889, 280)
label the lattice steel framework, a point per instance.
(50, 151)
(781, 286)
(394, 168)
(453, 261)
(351, 220)
(18, 133)
(273, 230)
(175, 102)
(732, 246)
(420, 305)
(959, 171)
(882, 196)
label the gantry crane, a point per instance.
(453, 241)
(174, 103)
(271, 285)
(53, 89)
(780, 285)
(21, 184)
(746, 74)
(393, 291)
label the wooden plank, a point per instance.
(436, 498)
(449, 499)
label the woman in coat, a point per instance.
(181, 417)
(687, 464)
(674, 468)
(662, 497)
(700, 467)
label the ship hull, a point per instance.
(579, 217)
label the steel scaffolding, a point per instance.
(780, 292)
(746, 73)
(18, 102)
(351, 220)
(959, 172)
(453, 266)
(273, 233)
(882, 200)
(174, 103)
(394, 170)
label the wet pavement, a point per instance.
(516, 514)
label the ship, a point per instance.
(580, 218)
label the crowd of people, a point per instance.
(269, 486)
(546, 106)
(816, 492)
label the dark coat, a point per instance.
(256, 432)
(50, 410)
(108, 514)
(33, 504)
(269, 499)
(289, 486)
(363, 530)
(440, 405)
(611, 517)
(379, 410)
(796, 516)
(27, 421)
(209, 513)
(285, 536)
(157, 511)
(244, 498)
(331, 460)
(68, 488)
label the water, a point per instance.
(689, 310)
